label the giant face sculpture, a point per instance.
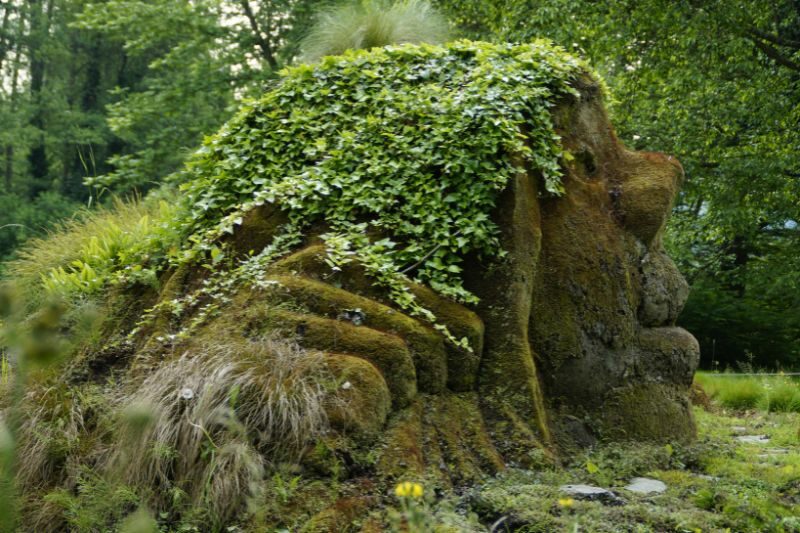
(573, 339)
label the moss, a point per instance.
(467, 453)
(424, 343)
(401, 452)
(462, 365)
(341, 516)
(650, 412)
(509, 380)
(388, 353)
(646, 197)
(258, 228)
(364, 395)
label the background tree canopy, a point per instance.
(110, 97)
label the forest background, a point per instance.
(101, 100)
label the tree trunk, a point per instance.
(40, 17)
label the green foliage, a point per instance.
(769, 393)
(401, 151)
(373, 23)
(125, 244)
(98, 503)
(115, 94)
(714, 83)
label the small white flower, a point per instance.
(637, 137)
(187, 393)
(347, 385)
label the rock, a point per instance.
(707, 477)
(592, 493)
(771, 453)
(643, 485)
(776, 451)
(753, 439)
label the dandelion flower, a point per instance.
(566, 502)
(408, 489)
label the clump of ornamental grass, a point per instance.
(740, 393)
(56, 428)
(209, 424)
(80, 256)
(373, 23)
(781, 395)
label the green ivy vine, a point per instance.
(410, 143)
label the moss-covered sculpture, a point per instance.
(461, 234)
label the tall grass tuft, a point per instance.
(781, 395)
(768, 393)
(373, 23)
(744, 394)
(82, 254)
(56, 426)
(207, 425)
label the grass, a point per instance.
(210, 424)
(769, 393)
(713, 484)
(373, 23)
(81, 255)
(197, 440)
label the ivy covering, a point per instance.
(407, 142)
(402, 151)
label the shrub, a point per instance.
(373, 23)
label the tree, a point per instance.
(111, 96)
(202, 58)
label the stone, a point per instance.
(592, 493)
(644, 485)
(772, 453)
(707, 477)
(753, 439)
(573, 337)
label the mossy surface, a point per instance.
(561, 337)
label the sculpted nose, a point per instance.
(647, 192)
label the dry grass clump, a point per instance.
(372, 23)
(206, 425)
(57, 425)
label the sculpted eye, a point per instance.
(586, 159)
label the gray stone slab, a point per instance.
(592, 493)
(644, 485)
(753, 439)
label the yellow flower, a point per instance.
(566, 502)
(408, 490)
